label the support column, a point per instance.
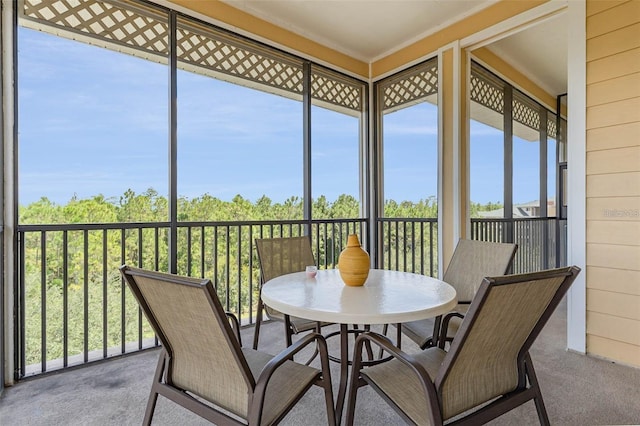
(8, 195)
(453, 210)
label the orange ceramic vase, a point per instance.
(353, 263)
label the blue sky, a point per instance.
(92, 121)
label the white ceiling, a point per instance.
(371, 29)
(363, 29)
(540, 52)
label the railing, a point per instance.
(541, 241)
(409, 245)
(74, 307)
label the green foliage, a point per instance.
(152, 207)
(406, 209)
(476, 208)
(96, 209)
(41, 212)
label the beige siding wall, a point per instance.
(613, 180)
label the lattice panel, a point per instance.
(102, 20)
(552, 127)
(411, 88)
(225, 56)
(336, 92)
(524, 114)
(487, 94)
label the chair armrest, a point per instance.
(235, 326)
(385, 343)
(281, 358)
(289, 352)
(444, 329)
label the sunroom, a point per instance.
(172, 134)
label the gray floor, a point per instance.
(578, 390)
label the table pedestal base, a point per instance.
(345, 361)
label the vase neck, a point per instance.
(353, 241)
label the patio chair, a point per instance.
(280, 256)
(472, 261)
(202, 366)
(488, 360)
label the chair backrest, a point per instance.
(473, 260)
(204, 356)
(280, 256)
(486, 359)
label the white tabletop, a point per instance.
(386, 297)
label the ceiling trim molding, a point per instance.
(486, 18)
(514, 24)
(408, 65)
(434, 30)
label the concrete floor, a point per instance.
(578, 390)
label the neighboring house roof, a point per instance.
(499, 213)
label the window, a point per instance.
(240, 119)
(526, 157)
(337, 151)
(408, 127)
(508, 133)
(92, 120)
(240, 122)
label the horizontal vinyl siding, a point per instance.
(619, 160)
(612, 43)
(615, 280)
(625, 306)
(615, 256)
(618, 136)
(613, 349)
(610, 232)
(610, 67)
(613, 180)
(595, 7)
(617, 89)
(614, 113)
(609, 20)
(614, 185)
(613, 328)
(618, 209)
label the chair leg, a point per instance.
(256, 330)
(287, 330)
(153, 395)
(368, 348)
(385, 329)
(435, 335)
(533, 382)
(353, 387)
(326, 382)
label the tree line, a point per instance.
(150, 206)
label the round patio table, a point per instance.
(387, 297)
